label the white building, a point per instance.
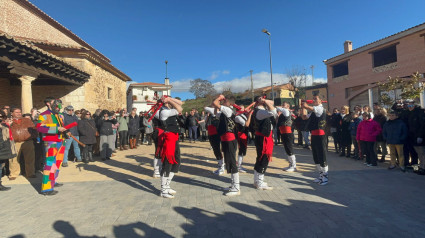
(139, 95)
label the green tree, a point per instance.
(410, 88)
(201, 88)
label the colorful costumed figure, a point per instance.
(50, 123)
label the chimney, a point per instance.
(348, 46)
(167, 81)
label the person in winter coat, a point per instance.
(133, 128)
(381, 118)
(334, 121)
(367, 131)
(395, 134)
(70, 117)
(123, 129)
(148, 128)
(202, 125)
(7, 146)
(141, 137)
(355, 121)
(415, 118)
(344, 132)
(87, 130)
(106, 135)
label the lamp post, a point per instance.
(271, 68)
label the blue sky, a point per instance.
(222, 40)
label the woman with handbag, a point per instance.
(87, 130)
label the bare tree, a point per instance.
(298, 78)
(201, 88)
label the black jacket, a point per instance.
(133, 125)
(87, 130)
(67, 119)
(105, 126)
(381, 119)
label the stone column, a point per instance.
(26, 93)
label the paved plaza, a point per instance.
(119, 198)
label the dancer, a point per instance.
(226, 129)
(156, 135)
(316, 124)
(264, 117)
(242, 125)
(284, 124)
(170, 151)
(50, 123)
(214, 138)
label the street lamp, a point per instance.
(271, 68)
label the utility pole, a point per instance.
(312, 75)
(252, 86)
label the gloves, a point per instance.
(419, 140)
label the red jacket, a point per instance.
(368, 130)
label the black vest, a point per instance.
(314, 123)
(225, 124)
(243, 128)
(212, 120)
(170, 124)
(263, 126)
(284, 121)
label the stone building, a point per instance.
(139, 95)
(353, 75)
(39, 57)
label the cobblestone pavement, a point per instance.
(119, 198)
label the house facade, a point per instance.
(39, 57)
(141, 95)
(353, 76)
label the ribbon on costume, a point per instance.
(169, 147)
(242, 139)
(267, 145)
(160, 142)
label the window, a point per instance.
(109, 93)
(340, 69)
(384, 56)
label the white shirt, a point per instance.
(284, 111)
(318, 111)
(166, 113)
(210, 110)
(228, 112)
(241, 119)
(263, 113)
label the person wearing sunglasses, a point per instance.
(87, 130)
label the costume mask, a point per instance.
(56, 106)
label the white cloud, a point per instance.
(182, 85)
(217, 74)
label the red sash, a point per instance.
(169, 147)
(212, 130)
(228, 136)
(285, 129)
(160, 142)
(267, 145)
(242, 139)
(318, 132)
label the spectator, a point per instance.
(355, 121)
(7, 146)
(367, 131)
(106, 135)
(186, 115)
(6, 110)
(381, 118)
(78, 114)
(148, 128)
(123, 129)
(115, 131)
(38, 146)
(96, 118)
(334, 123)
(415, 120)
(87, 130)
(133, 128)
(69, 118)
(305, 133)
(203, 127)
(344, 132)
(395, 134)
(141, 128)
(367, 109)
(192, 124)
(23, 133)
(298, 124)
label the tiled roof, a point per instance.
(36, 55)
(374, 44)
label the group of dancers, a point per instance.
(228, 132)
